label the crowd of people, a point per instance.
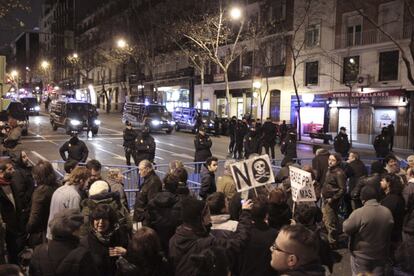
(82, 224)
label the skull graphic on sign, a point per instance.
(261, 170)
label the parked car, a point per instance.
(14, 109)
(74, 116)
(31, 105)
(186, 119)
(155, 116)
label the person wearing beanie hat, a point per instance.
(369, 228)
(62, 255)
(99, 187)
(192, 237)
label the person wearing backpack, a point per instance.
(62, 255)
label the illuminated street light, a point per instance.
(235, 13)
(257, 84)
(121, 43)
(14, 73)
(75, 55)
(45, 65)
(352, 60)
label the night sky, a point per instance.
(30, 20)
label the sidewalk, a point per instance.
(364, 149)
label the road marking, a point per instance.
(38, 155)
(109, 129)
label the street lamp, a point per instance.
(257, 84)
(75, 55)
(15, 76)
(121, 43)
(235, 13)
(44, 65)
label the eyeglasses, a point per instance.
(274, 247)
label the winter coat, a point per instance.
(240, 131)
(208, 183)
(150, 187)
(78, 151)
(408, 224)
(164, 216)
(311, 269)
(369, 228)
(320, 165)
(114, 201)
(145, 147)
(408, 191)
(133, 265)
(39, 213)
(341, 143)
(118, 187)
(255, 258)
(99, 249)
(23, 187)
(395, 203)
(382, 145)
(202, 144)
(187, 241)
(279, 215)
(129, 138)
(225, 184)
(354, 171)
(62, 257)
(372, 181)
(334, 186)
(232, 128)
(269, 132)
(251, 143)
(8, 208)
(288, 149)
(222, 226)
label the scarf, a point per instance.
(105, 238)
(4, 182)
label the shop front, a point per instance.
(241, 103)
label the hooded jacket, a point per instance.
(76, 149)
(202, 144)
(334, 186)
(187, 241)
(252, 143)
(129, 138)
(208, 182)
(150, 187)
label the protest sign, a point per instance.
(301, 185)
(252, 173)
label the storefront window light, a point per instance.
(308, 98)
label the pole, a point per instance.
(350, 114)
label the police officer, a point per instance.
(202, 144)
(382, 143)
(75, 149)
(283, 131)
(240, 132)
(251, 142)
(216, 126)
(129, 143)
(144, 146)
(269, 133)
(341, 143)
(288, 148)
(232, 133)
(391, 134)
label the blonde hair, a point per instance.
(113, 173)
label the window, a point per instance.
(353, 35)
(313, 35)
(312, 69)
(352, 29)
(350, 69)
(388, 65)
(277, 10)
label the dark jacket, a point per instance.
(312, 269)
(288, 149)
(78, 151)
(39, 213)
(62, 257)
(23, 187)
(208, 183)
(269, 132)
(240, 131)
(372, 181)
(395, 203)
(382, 145)
(145, 147)
(164, 212)
(255, 258)
(279, 215)
(202, 144)
(187, 241)
(134, 265)
(334, 186)
(129, 138)
(150, 187)
(341, 143)
(251, 143)
(355, 170)
(320, 165)
(99, 249)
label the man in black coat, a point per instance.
(129, 143)
(208, 177)
(76, 150)
(269, 133)
(202, 144)
(288, 148)
(241, 131)
(391, 133)
(283, 130)
(232, 133)
(341, 143)
(150, 187)
(354, 170)
(320, 164)
(251, 142)
(382, 143)
(145, 146)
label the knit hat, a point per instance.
(192, 210)
(66, 222)
(99, 187)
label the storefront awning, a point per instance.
(369, 94)
(235, 93)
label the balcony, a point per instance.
(369, 37)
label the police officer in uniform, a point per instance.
(251, 142)
(144, 146)
(75, 148)
(288, 148)
(382, 143)
(341, 143)
(202, 145)
(240, 132)
(232, 133)
(269, 133)
(129, 143)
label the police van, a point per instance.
(186, 119)
(155, 116)
(74, 116)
